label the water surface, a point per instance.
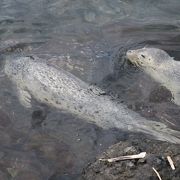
(88, 38)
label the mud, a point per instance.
(140, 169)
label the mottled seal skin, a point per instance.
(60, 89)
(160, 66)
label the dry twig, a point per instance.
(171, 162)
(121, 158)
(158, 175)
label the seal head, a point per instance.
(160, 66)
(148, 57)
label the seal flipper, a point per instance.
(176, 99)
(96, 90)
(24, 98)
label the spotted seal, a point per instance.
(160, 66)
(58, 88)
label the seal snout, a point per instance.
(129, 52)
(131, 55)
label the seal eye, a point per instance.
(142, 55)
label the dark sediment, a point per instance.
(141, 169)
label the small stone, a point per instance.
(131, 149)
(158, 161)
(142, 160)
(130, 164)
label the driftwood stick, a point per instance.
(121, 158)
(158, 175)
(171, 162)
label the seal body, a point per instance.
(160, 66)
(60, 89)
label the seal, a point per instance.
(55, 87)
(160, 66)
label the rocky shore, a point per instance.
(136, 169)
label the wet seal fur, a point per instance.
(58, 88)
(160, 66)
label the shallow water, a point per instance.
(88, 39)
